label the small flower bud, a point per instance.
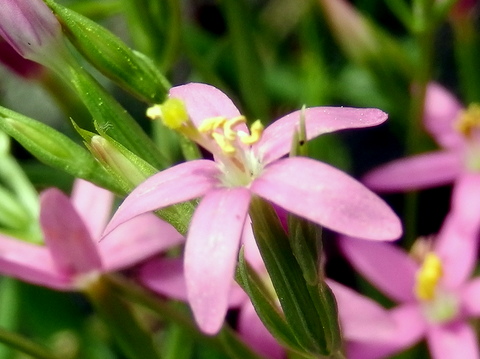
(131, 70)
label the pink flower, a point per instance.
(22, 67)
(454, 129)
(72, 256)
(30, 27)
(436, 297)
(248, 164)
(166, 276)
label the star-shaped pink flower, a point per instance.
(458, 154)
(300, 185)
(441, 314)
(72, 228)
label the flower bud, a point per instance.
(54, 148)
(131, 70)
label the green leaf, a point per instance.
(131, 336)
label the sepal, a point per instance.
(264, 305)
(304, 305)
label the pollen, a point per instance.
(172, 112)
(226, 136)
(428, 277)
(469, 120)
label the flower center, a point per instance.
(438, 305)
(428, 277)
(227, 139)
(468, 123)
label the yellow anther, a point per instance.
(256, 131)
(172, 112)
(222, 142)
(228, 130)
(428, 277)
(211, 124)
(468, 120)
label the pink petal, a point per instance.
(164, 276)
(471, 298)
(31, 263)
(457, 242)
(276, 140)
(66, 235)
(327, 196)
(251, 251)
(361, 318)
(137, 239)
(456, 340)
(211, 254)
(457, 246)
(410, 327)
(254, 333)
(387, 267)
(204, 101)
(177, 184)
(416, 172)
(93, 204)
(466, 199)
(441, 111)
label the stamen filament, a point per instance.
(256, 131)
(228, 130)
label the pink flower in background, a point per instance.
(72, 228)
(456, 130)
(30, 27)
(248, 164)
(166, 276)
(22, 67)
(436, 297)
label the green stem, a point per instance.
(248, 64)
(424, 38)
(25, 345)
(131, 337)
(226, 341)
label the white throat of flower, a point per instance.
(439, 305)
(220, 136)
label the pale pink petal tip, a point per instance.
(204, 101)
(211, 254)
(329, 197)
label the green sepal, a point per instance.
(299, 138)
(130, 335)
(305, 241)
(111, 116)
(55, 149)
(130, 170)
(12, 213)
(287, 278)
(112, 57)
(264, 304)
(15, 179)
